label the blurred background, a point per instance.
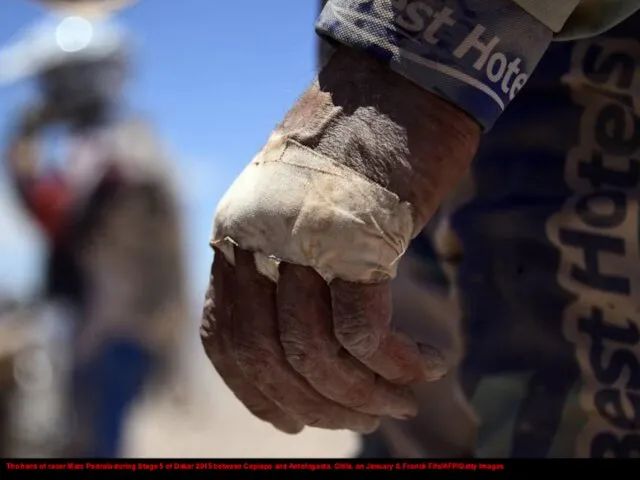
(213, 78)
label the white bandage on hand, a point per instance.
(294, 205)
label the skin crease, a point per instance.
(304, 353)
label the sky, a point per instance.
(214, 76)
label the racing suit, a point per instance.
(535, 253)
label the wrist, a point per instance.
(374, 121)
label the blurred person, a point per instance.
(536, 243)
(111, 216)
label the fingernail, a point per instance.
(289, 426)
(403, 417)
(433, 362)
(370, 428)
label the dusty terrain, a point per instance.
(201, 418)
(196, 417)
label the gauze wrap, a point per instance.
(294, 205)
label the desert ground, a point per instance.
(200, 418)
(196, 416)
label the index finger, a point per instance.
(362, 324)
(216, 332)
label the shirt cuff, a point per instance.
(475, 54)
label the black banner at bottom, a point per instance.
(13, 468)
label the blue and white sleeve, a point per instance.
(476, 54)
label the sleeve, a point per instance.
(325, 49)
(476, 54)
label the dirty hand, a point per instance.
(297, 319)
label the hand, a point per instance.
(297, 319)
(22, 154)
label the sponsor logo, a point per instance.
(597, 236)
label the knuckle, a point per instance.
(369, 427)
(205, 333)
(357, 396)
(208, 326)
(317, 422)
(313, 412)
(358, 340)
(303, 358)
(302, 362)
(315, 415)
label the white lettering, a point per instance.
(596, 233)
(414, 20)
(512, 69)
(473, 41)
(517, 85)
(477, 47)
(500, 60)
(497, 66)
(440, 19)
